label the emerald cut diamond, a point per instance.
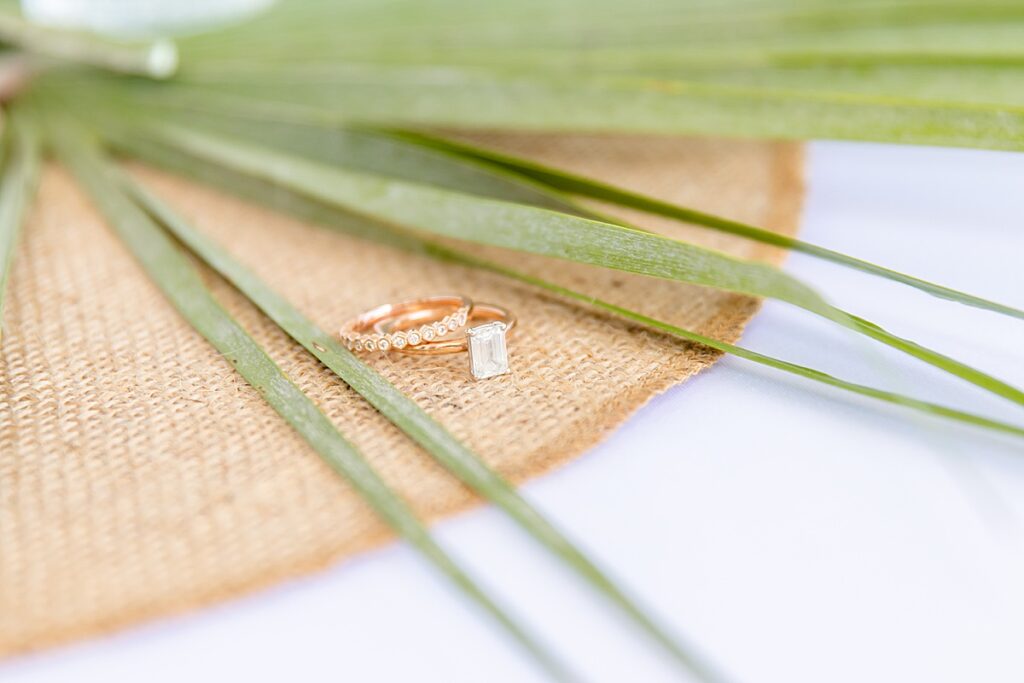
(488, 355)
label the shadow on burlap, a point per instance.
(140, 476)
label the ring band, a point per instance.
(479, 313)
(426, 327)
(432, 317)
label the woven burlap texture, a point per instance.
(141, 476)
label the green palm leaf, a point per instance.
(182, 284)
(472, 169)
(465, 98)
(304, 208)
(601, 34)
(592, 189)
(415, 422)
(502, 224)
(17, 188)
(331, 97)
(902, 71)
(539, 231)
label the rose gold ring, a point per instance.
(484, 338)
(479, 315)
(434, 326)
(427, 319)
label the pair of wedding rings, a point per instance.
(436, 325)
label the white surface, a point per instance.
(138, 17)
(793, 533)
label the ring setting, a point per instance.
(488, 351)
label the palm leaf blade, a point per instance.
(589, 103)
(548, 233)
(313, 72)
(304, 208)
(416, 423)
(178, 279)
(17, 186)
(586, 187)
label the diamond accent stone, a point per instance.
(488, 353)
(373, 334)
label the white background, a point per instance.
(794, 534)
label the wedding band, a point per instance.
(431, 317)
(480, 315)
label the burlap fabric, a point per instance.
(140, 476)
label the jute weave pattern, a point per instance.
(140, 476)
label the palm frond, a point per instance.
(573, 184)
(286, 201)
(17, 188)
(474, 170)
(325, 110)
(539, 231)
(462, 462)
(171, 271)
